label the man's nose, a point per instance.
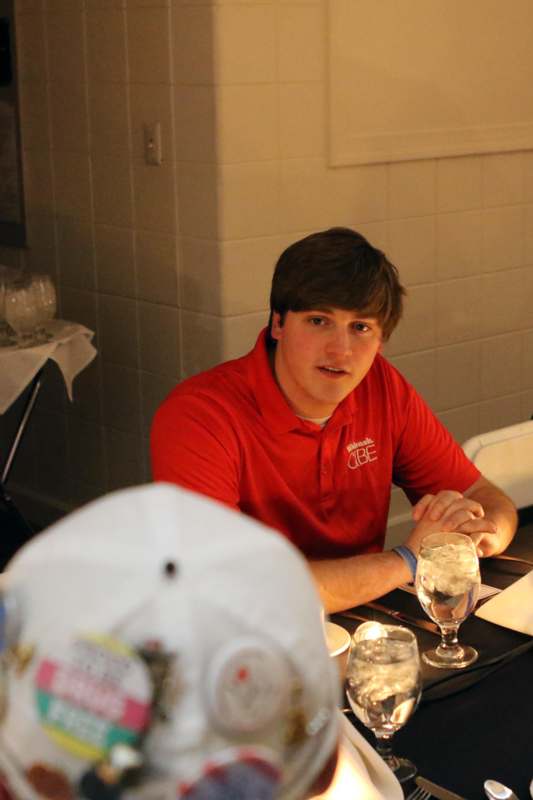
(339, 343)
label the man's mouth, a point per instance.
(332, 372)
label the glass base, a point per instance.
(5, 335)
(450, 658)
(404, 770)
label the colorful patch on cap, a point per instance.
(92, 694)
(248, 685)
(239, 774)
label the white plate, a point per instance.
(338, 639)
(361, 773)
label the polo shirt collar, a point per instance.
(272, 404)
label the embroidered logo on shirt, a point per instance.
(361, 453)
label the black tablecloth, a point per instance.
(478, 723)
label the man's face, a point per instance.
(321, 356)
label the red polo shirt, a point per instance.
(229, 433)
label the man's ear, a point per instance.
(276, 327)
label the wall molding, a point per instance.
(418, 80)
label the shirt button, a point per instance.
(324, 470)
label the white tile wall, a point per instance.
(503, 179)
(417, 329)
(502, 238)
(458, 311)
(500, 412)
(243, 210)
(412, 244)
(112, 189)
(115, 264)
(75, 248)
(527, 361)
(108, 115)
(72, 183)
(301, 39)
(459, 244)
(501, 363)
(171, 265)
(121, 407)
(245, 44)
(302, 127)
(247, 123)
(412, 189)
(459, 182)
(463, 422)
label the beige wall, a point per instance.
(171, 265)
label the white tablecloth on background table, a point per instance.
(70, 347)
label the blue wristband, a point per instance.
(408, 556)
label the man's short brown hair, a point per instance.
(337, 268)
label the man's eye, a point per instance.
(361, 326)
(316, 321)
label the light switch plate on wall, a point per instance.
(152, 144)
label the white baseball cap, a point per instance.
(158, 645)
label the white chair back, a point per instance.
(505, 457)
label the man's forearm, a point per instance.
(347, 582)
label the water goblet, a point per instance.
(384, 686)
(21, 311)
(7, 276)
(447, 585)
(45, 299)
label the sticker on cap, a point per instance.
(92, 694)
(247, 686)
(240, 773)
(49, 782)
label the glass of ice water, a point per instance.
(45, 300)
(21, 311)
(8, 275)
(447, 585)
(384, 685)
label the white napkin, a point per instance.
(484, 590)
(70, 347)
(361, 772)
(513, 607)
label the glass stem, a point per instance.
(449, 641)
(384, 748)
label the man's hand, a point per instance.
(484, 513)
(451, 511)
(450, 507)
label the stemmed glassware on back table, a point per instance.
(27, 303)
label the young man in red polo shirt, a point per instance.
(308, 431)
